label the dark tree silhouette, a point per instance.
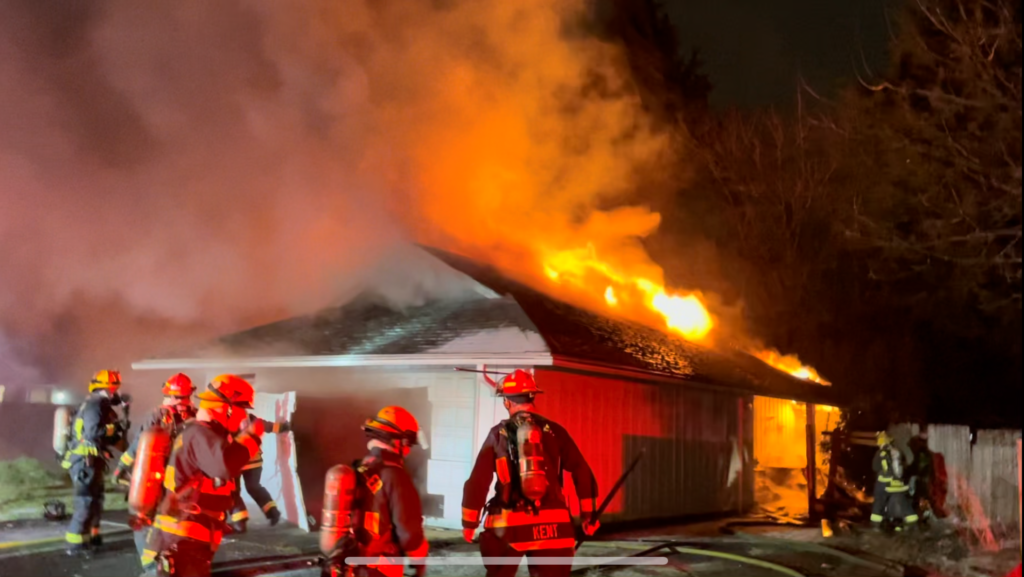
(942, 133)
(672, 84)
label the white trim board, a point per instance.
(426, 359)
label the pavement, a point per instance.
(35, 548)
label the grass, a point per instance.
(24, 472)
(25, 485)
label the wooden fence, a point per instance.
(978, 480)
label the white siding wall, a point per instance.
(453, 398)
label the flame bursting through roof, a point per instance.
(684, 313)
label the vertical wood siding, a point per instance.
(690, 436)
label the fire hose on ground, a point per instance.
(680, 548)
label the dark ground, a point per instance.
(35, 549)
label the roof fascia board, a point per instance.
(651, 377)
(426, 359)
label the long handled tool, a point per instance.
(487, 375)
(611, 494)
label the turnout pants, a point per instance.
(259, 493)
(892, 505)
(84, 528)
(179, 556)
(141, 538)
(493, 546)
(186, 558)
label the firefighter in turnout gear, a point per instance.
(892, 494)
(96, 430)
(528, 515)
(386, 506)
(176, 411)
(251, 475)
(199, 481)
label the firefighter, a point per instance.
(528, 515)
(892, 494)
(96, 430)
(923, 474)
(388, 501)
(175, 412)
(251, 475)
(199, 482)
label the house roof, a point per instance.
(516, 325)
(581, 337)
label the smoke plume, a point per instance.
(176, 168)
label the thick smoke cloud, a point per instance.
(176, 168)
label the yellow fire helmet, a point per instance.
(105, 380)
(884, 439)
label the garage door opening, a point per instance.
(782, 443)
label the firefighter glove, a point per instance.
(468, 535)
(122, 476)
(256, 428)
(590, 526)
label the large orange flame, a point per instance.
(684, 313)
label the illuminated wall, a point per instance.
(694, 462)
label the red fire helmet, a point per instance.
(517, 383)
(179, 386)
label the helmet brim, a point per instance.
(374, 428)
(211, 397)
(503, 394)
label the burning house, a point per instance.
(705, 419)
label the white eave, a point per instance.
(426, 359)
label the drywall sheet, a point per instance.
(280, 461)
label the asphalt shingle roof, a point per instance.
(590, 337)
(365, 327)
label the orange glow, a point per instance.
(791, 364)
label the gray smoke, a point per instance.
(173, 169)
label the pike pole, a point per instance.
(611, 494)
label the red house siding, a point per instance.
(689, 435)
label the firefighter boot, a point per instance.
(274, 516)
(239, 527)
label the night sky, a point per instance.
(755, 50)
